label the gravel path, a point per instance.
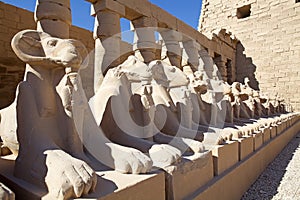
(281, 179)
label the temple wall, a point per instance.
(269, 32)
(13, 20)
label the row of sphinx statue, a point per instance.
(143, 115)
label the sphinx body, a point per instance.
(127, 106)
(40, 125)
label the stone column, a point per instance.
(230, 71)
(144, 40)
(206, 63)
(192, 48)
(107, 35)
(220, 61)
(233, 70)
(171, 40)
(53, 17)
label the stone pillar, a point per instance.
(145, 46)
(192, 48)
(220, 61)
(171, 40)
(230, 71)
(206, 63)
(233, 70)
(107, 35)
(53, 17)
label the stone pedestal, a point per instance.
(279, 128)
(273, 131)
(189, 175)
(285, 124)
(266, 135)
(258, 140)
(225, 156)
(235, 182)
(117, 186)
(110, 185)
(245, 146)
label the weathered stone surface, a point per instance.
(258, 140)
(245, 147)
(268, 49)
(186, 177)
(273, 132)
(225, 156)
(266, 135)
(111, 184)
(235, 182)
(14, 20)
(55, 28)
(108, 5)
(53, 11)
(61, 157)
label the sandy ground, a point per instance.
(281, 179)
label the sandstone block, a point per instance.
(225, 156)
(266, 135)
(273, 132)
(50, 10)
(245, 146)
(163, 17)
(116, 186)
(108, 5)
(189, 175)
(107, 24)
(110, 185)
(234, 183)
(258, 139)
(55, 28)
(137, 6)
(13, 16)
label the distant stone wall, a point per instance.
(269, 32)
(13, 20)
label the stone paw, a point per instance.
(221, 140)
(227, 133)
(196, 146)
(129, 160)
(237, 133)
(164, 155)
(184, 144)
(68, 177)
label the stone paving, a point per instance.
(281, 179)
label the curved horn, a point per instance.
(27, 46)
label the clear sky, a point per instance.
(186, 10)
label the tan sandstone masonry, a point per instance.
(269, 32)
(13, 20)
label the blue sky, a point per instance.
(186, 10)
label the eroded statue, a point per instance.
(40, 126)
(126, 108)
(49, 149)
